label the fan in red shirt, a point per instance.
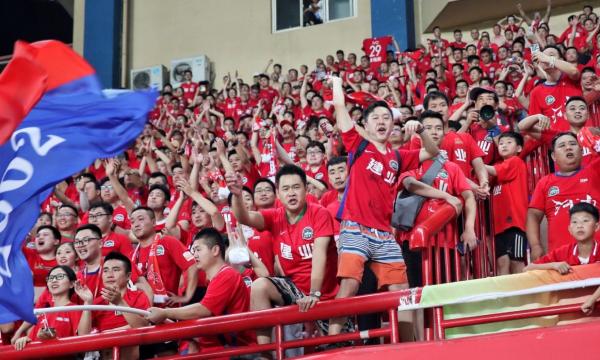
(366, 235)
(509, 198)
(448, 183)
(302, 234)
(43, 257)
(376, 49)
(190, 88)
(561, 83)
(101, 215)
(226, 293)
(556, 193)
(60, 324)
(458, 43)
(538, 126)
(315, 166)
(116, 273)
(583, 225)
(162, 259)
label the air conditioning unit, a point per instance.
(199, 65)
(154, 77)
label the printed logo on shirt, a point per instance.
(119, 217)
(247, 281)
(160, 250)
(443, 174)
(549, 100)
(286, 251)
(553, 191)
(244, 180)
(188, 255)
(318, 176)
(461, 155)
(375, 167)
(108, 243)
(584, 180)
(307, 233)
(497, 190)
(305, 251)
(394, 165)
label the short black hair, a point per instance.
(146, 209)
(513, 135)
(104, 205)
(176, 165)
(211, 237)
(337, 160)
(561, 134)
(317, 144)
(375, 105)
(115, 255)
(433, 96)
(431, 114)
(63, 206)
(585, 207)
(55, 232)
(163, 188)
(560, 53)
(158, 174)
(265, 180)
(575, 98)
(93, 228)
(289, 169)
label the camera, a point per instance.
(487, 112)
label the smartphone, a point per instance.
(535, 48)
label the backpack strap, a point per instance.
(359, 151)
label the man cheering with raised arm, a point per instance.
(303, 246)
(366, 232)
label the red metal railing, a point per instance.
(385, 302)
(538, 166)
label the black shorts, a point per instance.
(511, 242)
(290, 294)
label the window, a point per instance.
(292, 14)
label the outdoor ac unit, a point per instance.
(154, 77)
(199, 65)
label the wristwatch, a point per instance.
(316, 294)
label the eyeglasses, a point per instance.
(64, 215)
(57, 277)
(314, 152)
(84, 241)
(96, 216)
(261, 191)
(106, 187)
(195, 249)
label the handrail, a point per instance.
(91, 308)
(210, 326)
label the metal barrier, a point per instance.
(538, 166)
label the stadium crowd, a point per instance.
(302, 168)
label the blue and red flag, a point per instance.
(70, 126)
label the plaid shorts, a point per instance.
(370, 243)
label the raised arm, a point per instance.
(429, 149)
(303, 100)
(534, 125)
(251, 218)
(343, 120)
(111, 166)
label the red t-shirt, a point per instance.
(261, 244)
(555, 194)
(189, 90)
(107, 320)
(227, 294)
(121, 218)
(173, 259)
(376, 50)
(116, 242)
(293, 244)
(510, 195)
(449, 179)
(376, 173)
(569, 253)
(486, 142)
(319, 174)
(550, 101)
(65, 323)
(460, 148)
(39, 267)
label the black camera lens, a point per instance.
(487, 112)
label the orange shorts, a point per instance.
(352, 266)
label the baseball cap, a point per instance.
(482, 90)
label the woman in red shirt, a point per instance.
(60, 282)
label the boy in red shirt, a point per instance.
(586, 250)
(366, 232)
(226, 293)
(510, 205)
(116, 272)
(43, 257)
